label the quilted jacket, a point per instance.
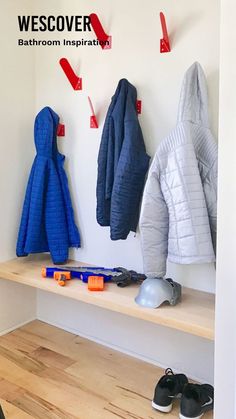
(47, 222)
(179, 207)
(122, 165)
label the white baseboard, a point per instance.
(16, 326)
(103, 342)
(112, 346)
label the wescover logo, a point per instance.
(56, 24)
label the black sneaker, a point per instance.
(168, 388)
(1, 413)
(196, 400)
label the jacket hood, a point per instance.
(193, 104)
(45, 132)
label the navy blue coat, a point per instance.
(122, 164)
(47, 222)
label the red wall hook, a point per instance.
(75, 81)
(139, 106)
(164, 42)
(99, 31)
(93, 119)
(61, 130)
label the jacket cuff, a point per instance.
(154, 274)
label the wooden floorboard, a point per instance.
(47, 373)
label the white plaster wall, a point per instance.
(135, 28)
(225, 355)
(17, 303)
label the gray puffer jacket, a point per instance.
(179, 207)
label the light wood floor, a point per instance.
(46, 373)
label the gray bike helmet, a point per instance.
(155, 291)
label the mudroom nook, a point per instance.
(118, 225)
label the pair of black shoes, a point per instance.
(195, 399)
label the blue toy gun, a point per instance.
(121, 276)
(81, 272)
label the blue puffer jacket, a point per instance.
(122, 165)
(47, 222)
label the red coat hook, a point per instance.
(61, 130)
(93, 119)
(164, 42)
(75, 81)
(99, 31)
(139, 106)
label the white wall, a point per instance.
(17, 303)
(194, 28)
(225, 371)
